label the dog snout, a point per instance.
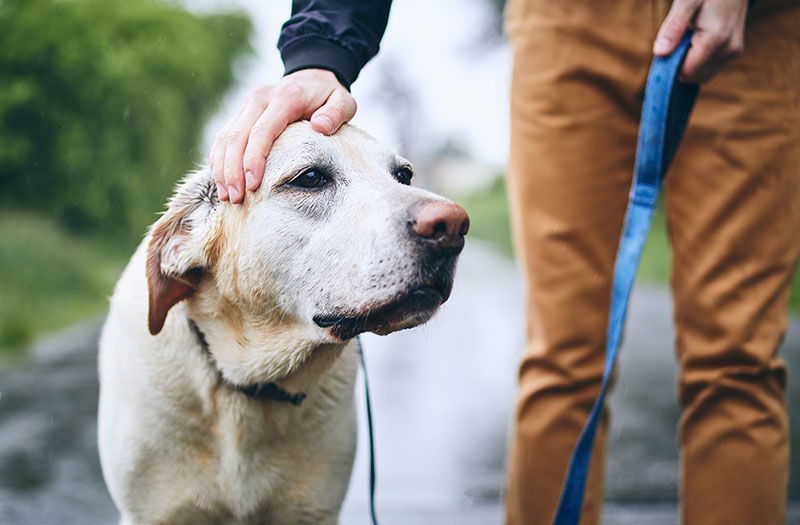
(440, 225)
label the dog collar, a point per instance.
(268, 390)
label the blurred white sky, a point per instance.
(460, 83)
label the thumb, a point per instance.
(338, 109)
(674, 26)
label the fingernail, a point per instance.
(250, 180)
(661, 46)
(222, 193)
(234, 193)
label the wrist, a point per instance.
(320, 54)
(316, 74)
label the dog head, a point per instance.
(335, 241)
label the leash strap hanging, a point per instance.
(371, 433)
(666, 108)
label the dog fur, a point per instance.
(177, 443)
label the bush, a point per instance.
(102, 103)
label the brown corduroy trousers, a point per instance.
(732, 201)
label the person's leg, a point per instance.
(578, 74)
(733, 206)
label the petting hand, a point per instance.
(718, 35)
(240, 148)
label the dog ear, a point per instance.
(177, 247)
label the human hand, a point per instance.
(241, 147)
(718, 35)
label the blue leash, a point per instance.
(371, 433)
(666, 108)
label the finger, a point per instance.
(217, 163)
(704, 58)
(236, 140)
(216, 157)
(675, 25)
(338, 109)
(286, 106)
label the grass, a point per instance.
(50, 278)
(489, 221)
(488, 215)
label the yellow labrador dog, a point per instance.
(227, 361)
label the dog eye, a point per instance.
(403, 175)
(310, 179)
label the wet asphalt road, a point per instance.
(442, 398)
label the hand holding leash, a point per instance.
(718, 35)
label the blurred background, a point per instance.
(104, 104)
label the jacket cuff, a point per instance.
(313, 52)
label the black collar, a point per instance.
(267, 390)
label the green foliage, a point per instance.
(488, 213)
(102, 103)
(52, 278)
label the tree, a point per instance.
(102, 103)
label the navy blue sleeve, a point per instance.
(337, 35)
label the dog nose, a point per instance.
(440, 224)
